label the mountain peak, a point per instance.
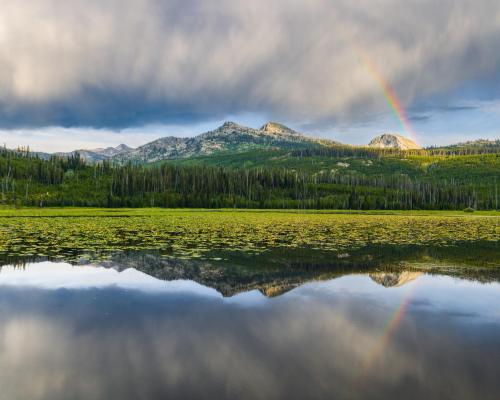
(229, 124)
(277, 128)
(123, 147)
(393, 141)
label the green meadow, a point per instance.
(67, 233)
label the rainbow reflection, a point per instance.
(390, 328)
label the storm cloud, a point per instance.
(119, 63)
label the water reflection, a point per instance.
(49, 275)
(94, 333)
(280, 270)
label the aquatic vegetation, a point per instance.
(68, 233)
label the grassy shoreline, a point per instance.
(7, 211)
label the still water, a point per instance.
(103, 332)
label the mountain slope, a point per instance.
(393, 141)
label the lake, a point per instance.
(285, 325)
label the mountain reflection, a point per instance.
(394, 279)
(322, 340)
(272, 273)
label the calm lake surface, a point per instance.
(116, 330)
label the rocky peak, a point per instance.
(276, 128)
(393, 141)
(229, 125)
(227, 128)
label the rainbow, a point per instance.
(390, 328)
(390, 96)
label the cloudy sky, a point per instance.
(87, 73)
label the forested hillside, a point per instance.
(337, 178)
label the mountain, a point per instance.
(230, 137)
(393, 141)
(99, 154)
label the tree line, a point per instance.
(487, 147)
(27, 180)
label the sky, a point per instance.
(95, 73)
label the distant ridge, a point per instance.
(99, 154)
(477, 143)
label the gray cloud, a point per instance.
(119, 63)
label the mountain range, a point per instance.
(269, 167)
(229, 137)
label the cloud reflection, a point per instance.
(311, 343)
